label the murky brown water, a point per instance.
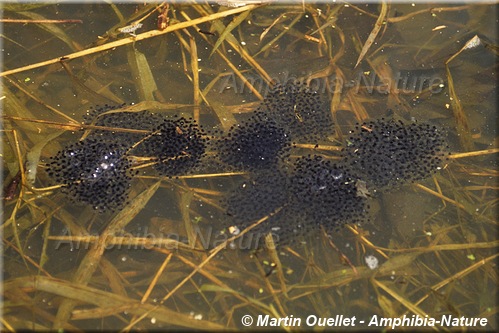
(435, 240)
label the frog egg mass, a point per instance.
(110, 116)
(177, 146)
(255, 144)
(97, 170)
(265, 195)
(326, 193)
(175, 143)
(104, 116)
(317, 193)
(299, 110)
(388, 153)
(257, 197)
(93, 172)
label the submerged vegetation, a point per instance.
(181, 106)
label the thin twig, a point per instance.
(131, 39)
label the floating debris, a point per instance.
(130, 29)
(371, 261)
(388, 153)
(93, 172)
(240, 3)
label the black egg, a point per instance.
(388, 153)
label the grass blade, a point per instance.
(91, 261)
(132, 39)
(103, 299)
(374, 32)
(231, 26)
(142, 74)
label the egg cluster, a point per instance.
(176, 145)
(327, 193)
(309, 193)
(265, 195)
(98, 170)
(93, 172)
(315, 193)
(388, 153)
(289, 113)
(299, 110)
(255, 144)
(112, 116)
(108, 116)
(290, 196)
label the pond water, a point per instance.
(156, 253)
